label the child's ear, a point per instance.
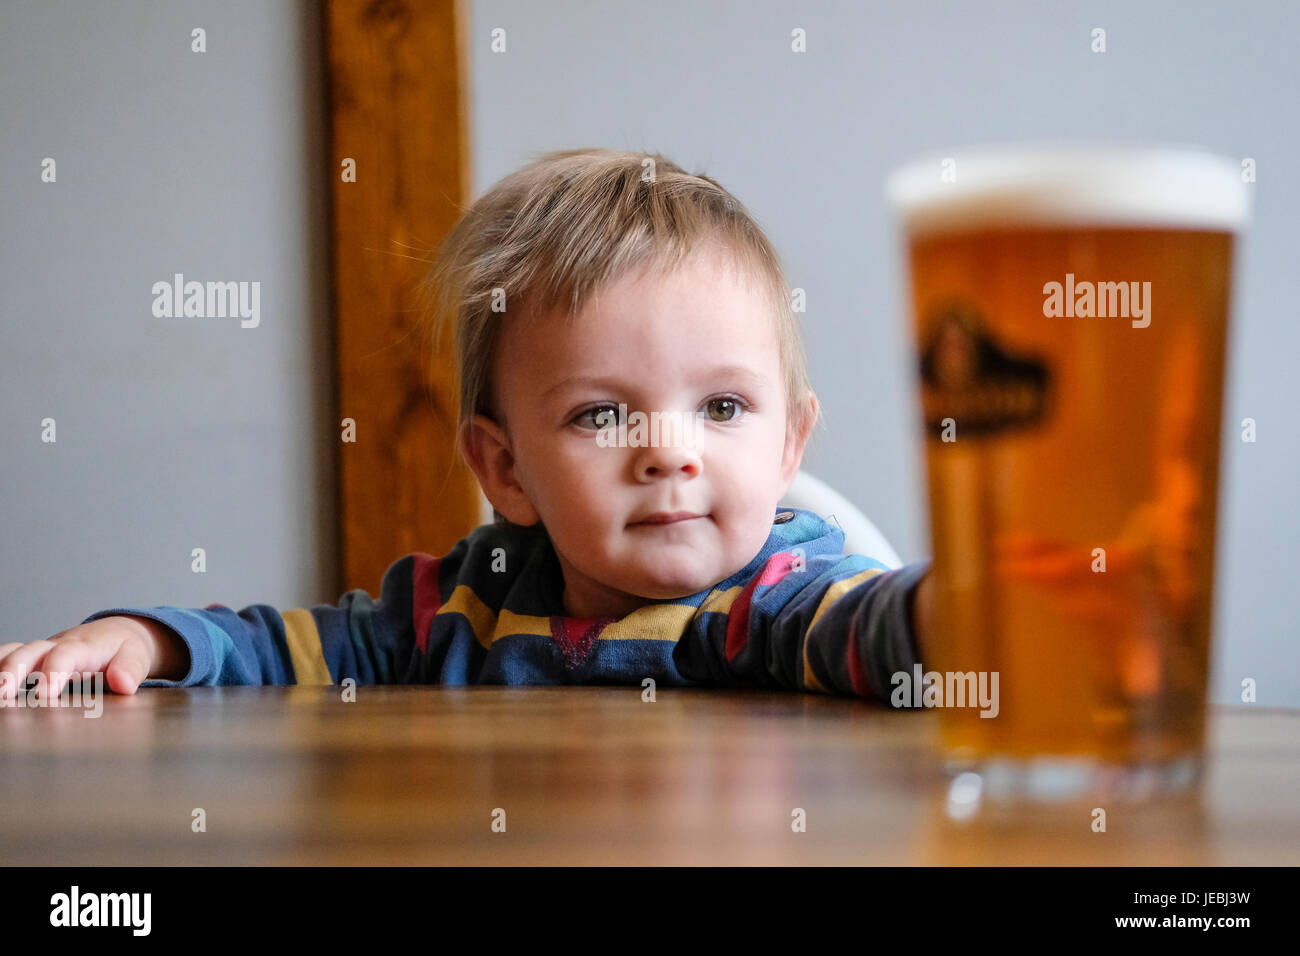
(796, 438)
(486, 449)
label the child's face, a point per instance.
(658, 343)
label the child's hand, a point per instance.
(127, 649)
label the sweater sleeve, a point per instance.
(834, 624)
(371, 641)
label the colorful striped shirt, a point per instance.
(801, 616)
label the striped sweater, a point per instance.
(802, 616)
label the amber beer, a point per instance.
(1070, 312)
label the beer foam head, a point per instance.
(1040, 185)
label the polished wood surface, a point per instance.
(414, 775)
(398, 108)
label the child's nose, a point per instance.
(660, 462)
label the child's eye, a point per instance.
(721, 410)
(601, 416)
(724, 409)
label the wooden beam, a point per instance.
(398, 104)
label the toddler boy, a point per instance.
(634, 403)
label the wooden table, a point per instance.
(413, 775)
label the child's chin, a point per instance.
(661, 587)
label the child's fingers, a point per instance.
(129, 666)
(67, 658)
(15, 668)
(5, 651)
(6, 677)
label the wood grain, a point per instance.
(397, 104)
(412, 775)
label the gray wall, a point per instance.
(180, 433)
(183, 433)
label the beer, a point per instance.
(1069, 309)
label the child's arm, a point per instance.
(170, 657)
(923, 614)
(371, 641)
(840, 624)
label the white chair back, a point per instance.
(861, 536)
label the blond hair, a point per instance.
(569, 224)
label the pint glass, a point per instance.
(1069, 309)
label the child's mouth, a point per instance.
(665, 517)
